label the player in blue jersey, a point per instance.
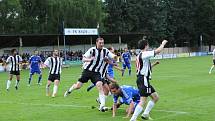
(128, 95)
(126, 60)
(35, 62)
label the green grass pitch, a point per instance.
(186, 90)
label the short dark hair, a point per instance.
(142, 44)
(99, 39)
(110, 48)
(114, 86)
(13, 50)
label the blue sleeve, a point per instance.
(40, 60)
(30, 59)
(115, 98)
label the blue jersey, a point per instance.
(110, 66)
(128, 95)
(35, 62)
(126, 56)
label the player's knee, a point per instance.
(99, 84)
(156, 98)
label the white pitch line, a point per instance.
(80, 106)
(164, 117)
(168, 111)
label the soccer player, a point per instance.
(126, 59)
(112, 65)
(213, 62)
(95, 56)
(15, 61)
(55, 64)
(109, 73)
(144, 71)
(129, 96)
(35, 62)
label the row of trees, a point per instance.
(181, 21)
(46, 16)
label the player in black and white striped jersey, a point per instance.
(15, 61)
(213, 62)
(54, 63)
(144, 71)
(94, 63)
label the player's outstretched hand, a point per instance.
(157, 62)
(164, 42)
(106, 59)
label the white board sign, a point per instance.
(80, 31)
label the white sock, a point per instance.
(8, 84)
(149, 107)
(17, 83)
(71, 88)
(211, 69)
(137, 112)
(47, 89)
(54, 90)
(102, 99)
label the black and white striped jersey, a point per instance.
(97, 64)
(143, 64)
(54, 64)
(104, 70)
(14, 62)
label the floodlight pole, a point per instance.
(64, 41)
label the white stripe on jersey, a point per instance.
(14, 62)
(97, 64)
(214, 54)
(143, 64)
(55, 65)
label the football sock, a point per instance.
(17, 83)
(102, 100)
(149, 107)
(40, 77)
(8, 84)
(129, 72)
(30, 78)
(137, 112)
(55, 90)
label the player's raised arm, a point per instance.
(159, 49)
(156, 63)
(46, 63)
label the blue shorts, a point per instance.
(111, 74)
(128, 65)
(136, 102)
(35, 71)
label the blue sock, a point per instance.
(30, 78)
(129, 72)
(40, 78)
(90, 87)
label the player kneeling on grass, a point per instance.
(129, 96)
(55, 64)
(15, 60)
(144, 71)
